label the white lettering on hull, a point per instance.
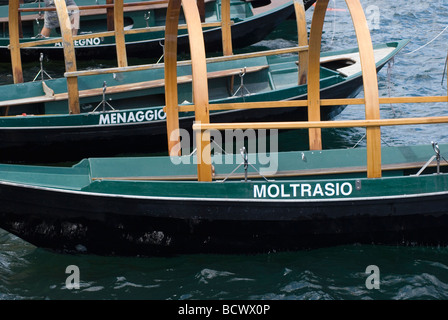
(131, 116)
(83, 42)
(303, 190)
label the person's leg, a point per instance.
(74, 15)
(74, 18)
(45, 31)
(50, 20)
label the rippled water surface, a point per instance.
(330, 273)
(406, 272)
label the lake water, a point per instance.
(406, 272)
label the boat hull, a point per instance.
(119, 225)
(137, 124)
(73, 143)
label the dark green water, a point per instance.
(406, 272)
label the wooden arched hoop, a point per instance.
(14, 41)
(69, 55)
(120, 43)
(302, 35)
(227, 47)
(317, 23)
(369, 79)
(199, 75)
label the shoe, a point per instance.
(39, 36)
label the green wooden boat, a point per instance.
(252, 202)
(137, 206)
(38, 126)
(248, 28)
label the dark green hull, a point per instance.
(117, 206)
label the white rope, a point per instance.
(429, 41)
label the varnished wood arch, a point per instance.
(317, 23)
(14, 41)
(226, 30)
(370, 82)
(199, 74)
(302, 34)
(69, 55)
(120, 42)
(369, 79)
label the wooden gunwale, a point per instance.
(184, 62)
(323, 102)
(321, 124)
(219, 106)
(282, 173)
(126, 87)
(29, 44)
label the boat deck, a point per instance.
(303, 165)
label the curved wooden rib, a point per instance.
(226, 34)
(199, 74)
(110, 15)
(302, 34)
(119, 34)
(226, 29)
(14, 42)
(369, 75)
(171, 97)
(200, 87)
(315, 136)
(69, 55)
(370, 83)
